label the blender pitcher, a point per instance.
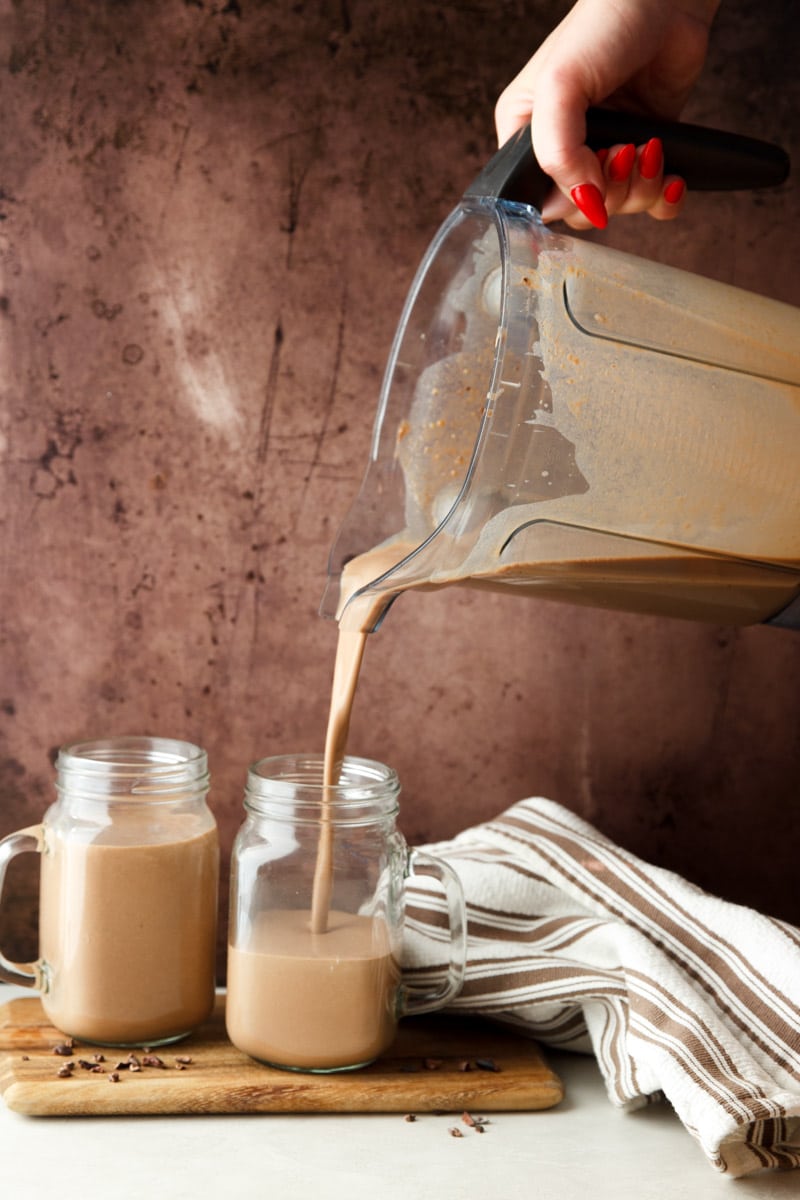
(582, 424)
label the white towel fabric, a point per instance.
(679, 994)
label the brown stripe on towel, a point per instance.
(749, 1008)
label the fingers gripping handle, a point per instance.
(708, 159)
(415, 1002)
(24, 840)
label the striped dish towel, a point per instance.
(677, 993)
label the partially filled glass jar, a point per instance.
(316, 985)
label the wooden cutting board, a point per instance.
(437, 1063)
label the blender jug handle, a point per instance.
(708, 159)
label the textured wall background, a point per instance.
(210, 214)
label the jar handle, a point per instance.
(413, 1003)
(25, 974)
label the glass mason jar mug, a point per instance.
(317, 906)
(128, 893)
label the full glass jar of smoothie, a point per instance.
(129, 882)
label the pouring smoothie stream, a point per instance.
(361, 617)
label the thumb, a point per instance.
(558, 132)
(576, 171)
(555, 103)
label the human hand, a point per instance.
(639, 55)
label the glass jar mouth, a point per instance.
(132, 766)
(294, 784)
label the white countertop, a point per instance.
(582, 1150)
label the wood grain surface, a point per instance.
(436, 1063)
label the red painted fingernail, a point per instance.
(651, 159)
(602, 155)
(621, 164)
(588, 200)
(673, 192)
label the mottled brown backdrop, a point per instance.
(210, 213)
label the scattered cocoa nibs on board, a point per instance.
(184, 1060)
(65, 1049)
(465, 1065)
(487, 1064)
(454, 1131)
(86, 1065)
(432, 1064)
(152, 1060)
(66, 1072)
(114, 1077)
(131, 1063)
(26, 1058)
(410, 1117)
(99, 1057)
(476, 1123)
(96, 1069)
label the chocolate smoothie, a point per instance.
(128, 930)
(316, 988)
(313, 1001)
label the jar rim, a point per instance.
(299, 778)
(132, 764)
